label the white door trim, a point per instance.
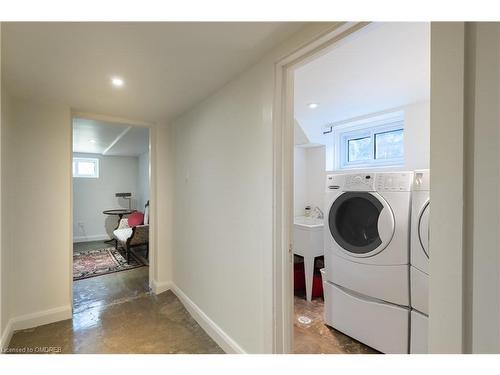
(283, 121)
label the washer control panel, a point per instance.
(383, 181)
(360, 182)
(397, 181)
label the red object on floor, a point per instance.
(299, 281)
(299, 278)
(317, 286)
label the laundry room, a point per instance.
(361, 193)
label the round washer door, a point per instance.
(423, 227)
(361, 223)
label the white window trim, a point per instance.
(364, 127)
(77, 159)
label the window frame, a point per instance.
(369, 127)
(77, 159)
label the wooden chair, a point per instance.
(132, 237)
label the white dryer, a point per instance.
(419, 261)
(367, 257)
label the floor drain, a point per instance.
(304, 320)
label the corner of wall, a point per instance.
(158, 287)
(226, 342)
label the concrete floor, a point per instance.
(116, 313)
(315, 337)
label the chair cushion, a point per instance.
(135, 218)
(123, 234)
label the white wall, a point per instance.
(6, 250)
(143, 181)
(91, 196)
(447, 188)
(222, 208)
(417, 136)
(300, 197)
(309, 178)
(3, 302)
(36, 222)
(223, 248)
(482, 172)
(162, 209)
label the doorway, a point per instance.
(111, 207)
(313, 143)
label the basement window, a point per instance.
(85, 167)
(373, 142)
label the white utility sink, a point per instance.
(308, 222)
(308, 243)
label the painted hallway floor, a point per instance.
(317, 338)
(116, 313)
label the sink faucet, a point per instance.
(318, 213)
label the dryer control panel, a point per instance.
(394, 181)
(421, 181)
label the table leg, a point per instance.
(309, 275)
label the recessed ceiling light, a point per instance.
(117, 81)
(312, 105)
(92, 140)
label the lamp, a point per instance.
(125, 196)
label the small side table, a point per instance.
(120, 212)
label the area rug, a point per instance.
(91, 263)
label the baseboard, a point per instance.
(160, 286)
(39, 318)
(211, 328)
(97, 237)
(6, 336)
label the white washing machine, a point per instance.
(419, 261)
(367, 257)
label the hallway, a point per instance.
(116, 313)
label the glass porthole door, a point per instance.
(423, 228)
(361, 223)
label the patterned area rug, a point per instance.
(91, 263)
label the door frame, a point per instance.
(449, 295)
(283, 142)
(153, 248)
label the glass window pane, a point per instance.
(389, 145)
(86, 168)
(359, 149)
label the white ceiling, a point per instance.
(109, 139)
(167, 67)
(383, 66)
